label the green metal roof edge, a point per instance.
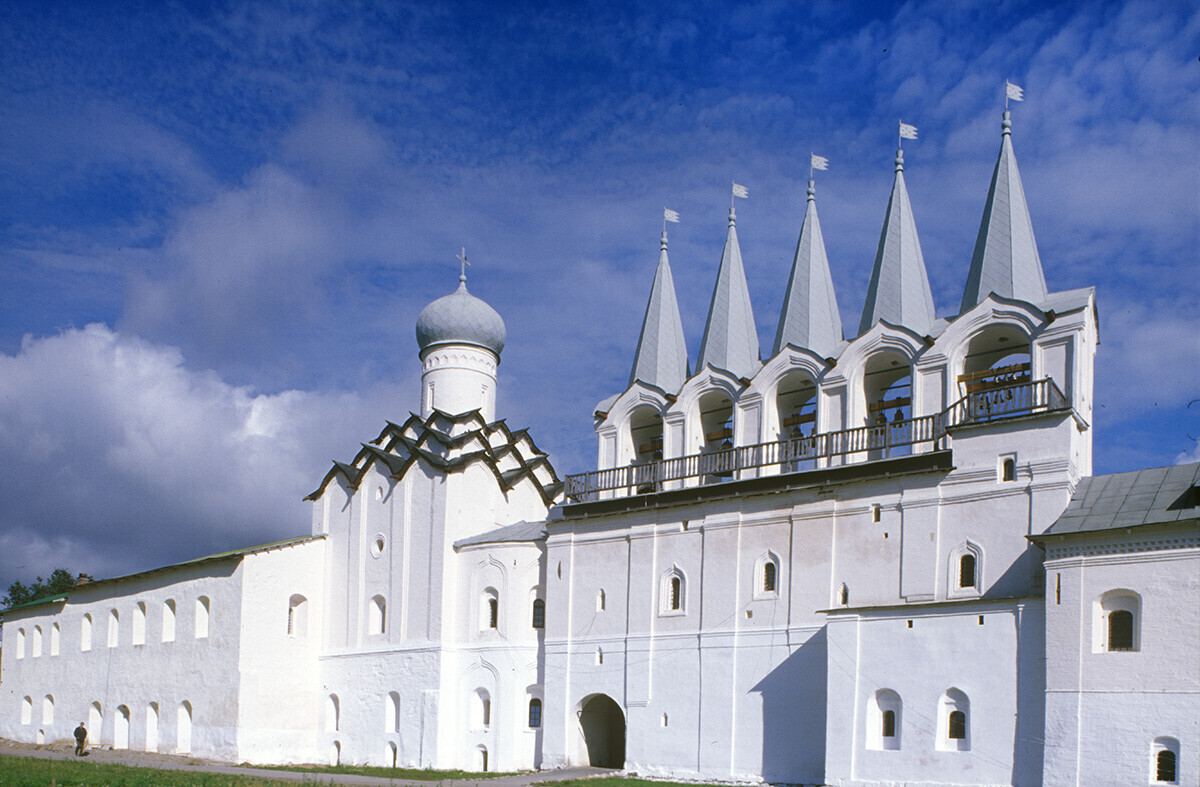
(193, 562)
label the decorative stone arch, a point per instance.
(481, 681)
(637, 417)
(1117, 621)
(709, 386)
(979, 330)
(601, 739)
(672, 592)
(791, 362)
(884, 714)
(965, 565)
(954, 721)
(883, 339)
(767, 577)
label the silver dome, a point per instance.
(461, 318)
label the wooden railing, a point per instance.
(861, 443)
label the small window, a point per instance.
(55, 636)
(481, 709)
(889, 724)
(297, 616)
(139, 624)
(676, 602)
(1164, 763)
(487, 713)
(600, 600)
(954, 721)
(1120, 630)
(766, 573)
(85, 634)
(876, 512)
(843, 595)
(27, 710)
(768, 584)
(202, 610)
(1115, 621)
(48, 709)
(493, 613)
(333, 713)
(539, 613)
(672, 593)
(376, 616)
(958, 725)
(37, 641)
(535, 713)
(20, 643)
(489, 610)
(391, 712)
(1008, 469)
(114, 628)
(966, 571)
(883, 720)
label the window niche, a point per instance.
(883, 720)
(672, 593)
(1164, 761)
(376, 616)
(954, 717)
(1116, 622)
(297, 616)
(766, 576)
(489, 610)
(965, 570)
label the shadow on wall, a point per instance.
(1026, 576)
(793, 703)
(603, 726)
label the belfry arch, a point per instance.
(602, 729)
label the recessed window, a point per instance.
(391, 712)
(966, 571)
(377, 545)
(297, 616)
(85, 634)
(1006, 469)
(20, 643)
(55, 636)
(883, 719)
(139, 624)
(672, 593)
(539, 613)
(535, 713)
(202, 612)
(1120, 630)
(114, 628)
(1116, 622)
(876, 512)
(953, 720)
(489, 610)
(168, 621)
(376, 616)
(767, 575)
(1164, 765)
(600, 600)
(27, 710)
(493, 613)
(843, 595)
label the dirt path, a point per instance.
(141, 759)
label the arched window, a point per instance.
(883, 720)
(535, 713)
(152, 727)
(768, 584)
(672, 593)
(121, 728)
(539, 613)
(954, 715)
(55, 636)
(376, 616)
(965, 569)
(481, 710)
(493, 613)
(183, 728)
(168, 620)
(27, 710)
(85, 634)
(20, 643)
(1008, 468)
(37, 641)
(202, 613)
(139, 624)
(391, 712)
(1116, 622)
(333, 712)
(1164, 765)
(48, 709)
(600, 600)
(489, 610)
(114, 628)
(843, 595)
(766, 576)
(297, 616)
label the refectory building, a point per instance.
(869, 559)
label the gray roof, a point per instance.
(899, 290)
(1142, 497)
(661, 359)
(1006, 259)
(515, 533)
(810, 316)
(461, 318)
(730, 338)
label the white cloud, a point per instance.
(120, 458)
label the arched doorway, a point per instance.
(603, 727)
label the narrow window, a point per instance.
(539, 614)
(1058, 588)
(37, 641)
(139, 624)
(676, 593)
(20, 643)
(1120, 630)
(333, 712)
(487, 712)
(55, 635)
(168, 620)
(599, 656)
(768, 577)
(202, 609)
(1164, 767)
(957, 726)
(966, 571)
(600, 600)
(48, 709)
(114, 630)
(535, 712)
(183, 728)
(493, 613)
(844, 595)
(85, 634)
(297, 616)
(889, 724)
(876, 512)
(27, 710)
(1008, 471)
(391, 712)
(376, 616)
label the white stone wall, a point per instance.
(1104, 709)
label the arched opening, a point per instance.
(539, 613)
(168, 620)
(152, 727)
(646, 434)
(20, 643)
(954, 719)
(796, 406)
(335, 753)
(966, 571)
(883, 719)
(481, 709)
(672, 593)
(183, 728)
(1116, 622)
(297, 617)
(121, 728)
(489, 610)
(887, 388)
(95, 721)
(37, 641)
(535, 713)
(996, 373)
(716, 435)
(85, 634)
(139, 624)
(332, 713)
(55, 636)
(114, 628)
(483, 758)
(202, 611)
(48, 709)
(376, 616)
(1120, 630)
(1164, 765)
(391, 755)
(603, 726)
(27, 710)
(391, 712)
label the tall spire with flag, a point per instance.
(899, 291)
(730, 338)
(810, 316)
(661, 359)
(1006, 259)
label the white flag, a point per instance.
(1014, 92)
(907, 131)
(819, 162)
(741, 191)
(670, 215)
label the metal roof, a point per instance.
(899, 290)
(1006, 259)
(661, 359)
(461, 318)
(730, 337)
(1159, 495)
(810, 316)
(515, 533)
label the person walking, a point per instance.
(80, 739)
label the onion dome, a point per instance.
(461, 318)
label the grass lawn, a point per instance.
(35, 772)
(616, 781)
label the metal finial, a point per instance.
(1006, 123)
(732, 217)
(899, 160)
(812, 190)
(462, 258)
(663, 242)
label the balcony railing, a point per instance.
(860, 443)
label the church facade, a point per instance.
(867, 560)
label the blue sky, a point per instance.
(218, 223)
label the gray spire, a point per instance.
(1006, 259)
(810, 316)
(661, 359)
(899, 290)
(730, 339)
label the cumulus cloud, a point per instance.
(120, 458)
